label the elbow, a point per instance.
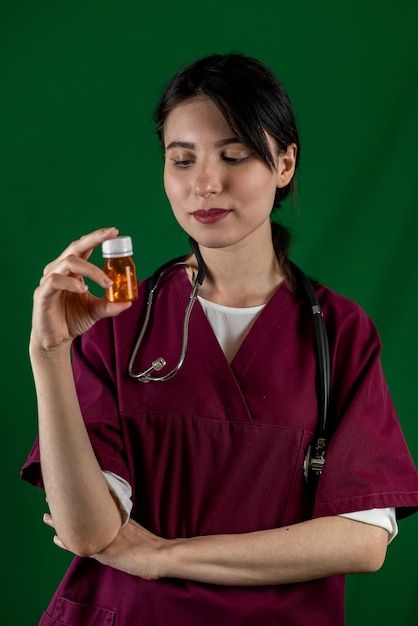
(87, 544)
(373, 552)
(375, 561)
(86, 548)
(87, 537)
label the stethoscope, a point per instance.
(315, 455)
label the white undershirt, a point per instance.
(230, 325)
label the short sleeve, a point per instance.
(368, 464)
(93, 362)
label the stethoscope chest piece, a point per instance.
(315, 455)
(314, 460)
(147, 375)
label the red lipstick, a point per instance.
(210, 216)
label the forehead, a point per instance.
(196, 118)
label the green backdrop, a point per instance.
(79, 81)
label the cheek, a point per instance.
(256, 186)
(173, 188)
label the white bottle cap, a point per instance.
(119, 246)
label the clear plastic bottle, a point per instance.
(120, 267)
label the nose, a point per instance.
(207, 182)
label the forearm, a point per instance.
(305, 551)
(85, 514)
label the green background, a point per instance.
(79, 81)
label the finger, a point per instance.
(103, 308)
(76, 268)
(47, 519)
(59, 543)
(84, 246)
(57, 284)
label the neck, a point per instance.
(240, 276)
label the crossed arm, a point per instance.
(301, 552)
(87, 519)
(85, 515)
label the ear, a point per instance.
(286, 164)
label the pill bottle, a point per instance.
(120, 268)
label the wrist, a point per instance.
(38, 352)
(169, 561)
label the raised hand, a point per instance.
(63, 307)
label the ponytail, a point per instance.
(281, 242)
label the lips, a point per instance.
(210, 216)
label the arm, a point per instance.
(306, 551)
(85, 513)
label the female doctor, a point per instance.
(184, 501)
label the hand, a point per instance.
(317, 548)
(63, 307)
(135, 550)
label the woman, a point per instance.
(224, 528)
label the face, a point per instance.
(221, 192)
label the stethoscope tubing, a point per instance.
(322, 349)
(315, 456)
(152, 285)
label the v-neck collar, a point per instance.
(231, 376)
(258, 336)
(259, 331)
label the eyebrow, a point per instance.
(191, 146)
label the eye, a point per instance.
(181, 163)
(236, 159)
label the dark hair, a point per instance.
(249, 95)
(252, 100)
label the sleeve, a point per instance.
(368, 464)
(93, 362)
(385, 518)
(122, 491)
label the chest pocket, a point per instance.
(203, 476)
(75, 613)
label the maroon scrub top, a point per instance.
(219, 448)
